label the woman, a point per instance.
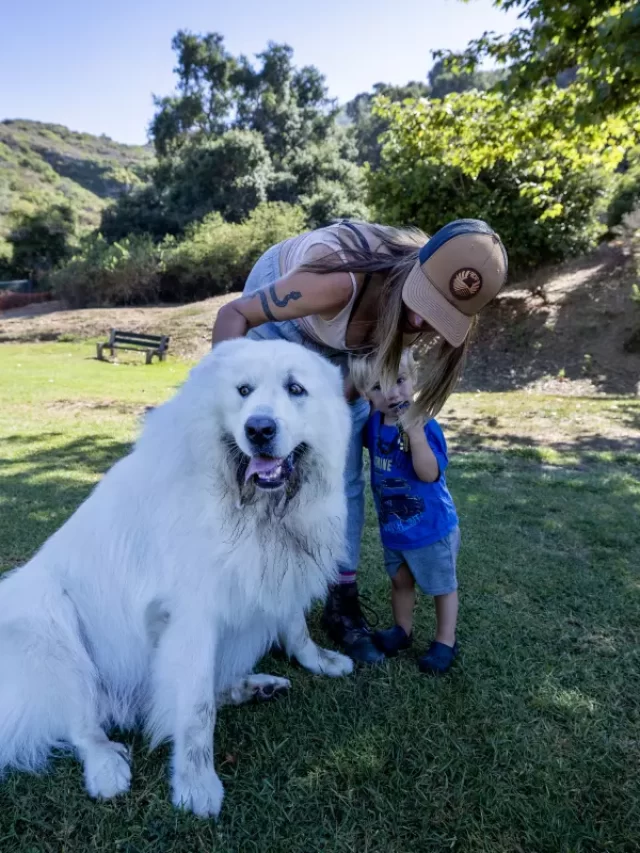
(357, 289)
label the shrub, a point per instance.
(626, 192)
(216, 257)
(122, 273)
(526, 168)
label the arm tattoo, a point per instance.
(268, 313)
(281, 303)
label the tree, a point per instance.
(41, 240)
(235, 135)
(443, 81)
(368, 126)
(597, 40)
(230, 174)
(524, 166)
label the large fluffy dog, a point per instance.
(193, 555)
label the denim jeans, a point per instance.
(266, 271)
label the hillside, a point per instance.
(563, 332)
(47, 163)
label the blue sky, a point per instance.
(93, 65)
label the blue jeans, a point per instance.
(266, 271)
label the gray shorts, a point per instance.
(433, 567)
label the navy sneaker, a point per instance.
(438, 659)
(392, 641)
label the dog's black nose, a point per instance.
(260, 430)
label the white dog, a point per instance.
(190, 559)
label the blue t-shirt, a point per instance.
(411, 513)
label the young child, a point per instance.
(417, 516)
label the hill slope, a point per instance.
(47, 163)
(562, 333)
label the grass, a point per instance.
(531, 744)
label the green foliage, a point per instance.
(212, 258)
(367, 125)
(45, 164)
(443, 81)
(538, 178)
(142, 210)
(41, 240)
(101, 273)
(216, 256)
(6, 260)
(626, 192)
(596, 39)
(234, 136)
(230, 174)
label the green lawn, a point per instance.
(531, 744)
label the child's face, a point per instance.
(391, 403)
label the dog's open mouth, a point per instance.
(267, 473)
(270, 472)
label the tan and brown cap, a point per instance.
(461, 269)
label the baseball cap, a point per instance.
(458, 271)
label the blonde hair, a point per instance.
(439, 366)
(364, 376)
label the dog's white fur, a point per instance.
(157, 597)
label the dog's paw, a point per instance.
(201, 794)
(326, 662)
(107, 771)
(256, 687)
(266, 687)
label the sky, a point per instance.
(93, 66)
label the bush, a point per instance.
(216, 257)
(626, 192)
(42, 240)
(123, 273)
(526, 168)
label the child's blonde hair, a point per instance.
(364, 374)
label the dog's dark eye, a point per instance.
(295, 389)
(244, 390)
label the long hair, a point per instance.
(393, 255)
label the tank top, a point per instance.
(313, 246)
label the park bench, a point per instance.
(149, 344)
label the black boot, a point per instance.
(344, 622)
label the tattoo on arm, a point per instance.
(268, 313)
(281, 303)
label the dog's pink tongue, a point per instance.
(261, 465)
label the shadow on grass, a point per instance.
(41, 489)
(470, 434)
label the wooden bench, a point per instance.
(149, 344)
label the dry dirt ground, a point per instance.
(560, 332)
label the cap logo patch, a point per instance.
(465, 283)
